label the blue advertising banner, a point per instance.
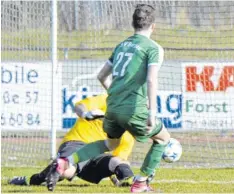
(169, 107)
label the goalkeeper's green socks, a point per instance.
(88, 151)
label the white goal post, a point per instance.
(50, 60)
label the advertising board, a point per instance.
(208, 95)
(169, 106)
(26, 96)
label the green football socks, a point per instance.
(152, 159)
(88, 151)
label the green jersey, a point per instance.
(130, 61)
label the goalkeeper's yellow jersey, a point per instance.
(90, 131)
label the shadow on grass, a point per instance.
(83, 185)
(18, 191)
(75, 185)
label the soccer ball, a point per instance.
(173, 151)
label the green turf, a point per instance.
(99, 44)
(166, 181)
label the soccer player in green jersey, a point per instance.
(131, 102)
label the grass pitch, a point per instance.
(166, 181)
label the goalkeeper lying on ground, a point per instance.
(87, 129)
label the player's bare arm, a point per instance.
(82, 112)
(151, 89)
(80, 109)
(103, 75)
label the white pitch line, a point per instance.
(192, 181)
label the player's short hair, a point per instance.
(143, 17)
